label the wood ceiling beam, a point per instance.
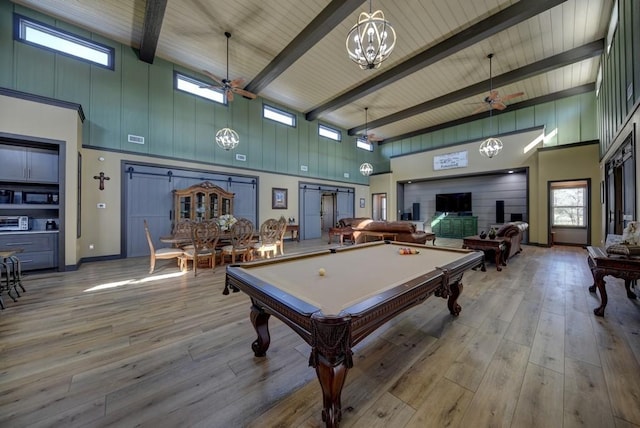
(331, 16)
(153, 17)
(521, 11)
(589, 87)
(569, 57)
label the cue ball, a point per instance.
(321, 271)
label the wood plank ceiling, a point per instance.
(293, 52)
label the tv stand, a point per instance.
(452, 225)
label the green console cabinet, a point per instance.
(445, 226)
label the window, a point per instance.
(364, 144)
(44, 36)
(569, 206)
(333, 134)
(280, 116)
(198, 88)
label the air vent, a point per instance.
(135, 139)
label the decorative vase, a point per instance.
(492, 233)
(483, 234)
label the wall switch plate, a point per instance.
(101, 205)
(304, 168)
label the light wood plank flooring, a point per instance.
(110, 345)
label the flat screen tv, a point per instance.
(453, 202)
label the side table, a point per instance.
(497, 245)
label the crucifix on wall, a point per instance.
(102, 178)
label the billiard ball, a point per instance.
(321, 271)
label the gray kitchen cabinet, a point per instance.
(28, 164)
(38, 250)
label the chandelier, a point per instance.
(490, 147)
(371, 40)
(366, 169)
(227, 139)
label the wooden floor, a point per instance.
(110, 345)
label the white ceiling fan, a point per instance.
(494, 100)
(230, 87)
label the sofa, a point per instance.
(404, 231)
(512, 233)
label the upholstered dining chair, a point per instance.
(204, 240)
(241, 235)
(282, 224)
(160, 253)
(268, 238)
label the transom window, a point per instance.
(363, 144)
(44, 36)
(198, 88)
(333, 134)
(278, 115)
(569, 206)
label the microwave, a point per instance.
(39, 198)
(8, 223)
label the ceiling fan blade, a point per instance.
(214, 77)
(511, 96)
(498, 105)
(483, 107)
(373, 137)
(229, 93)
(237, 83)
(492, 95)
(244, 93)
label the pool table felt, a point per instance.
(350, 276)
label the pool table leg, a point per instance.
(331, 381)
(260, 321)
(452, 303)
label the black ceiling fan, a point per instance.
(230, 87)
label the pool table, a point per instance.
(361, 288)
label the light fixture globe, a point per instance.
(366, 169)
(490, 147)
(371, 40)
(227, 139)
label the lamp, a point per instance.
(366, 169)
(491, 146)
(227, 139)
(371, 40)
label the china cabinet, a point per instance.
(202, 201)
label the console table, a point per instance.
(601, 265)
(497, 245)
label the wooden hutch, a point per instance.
(202, 201)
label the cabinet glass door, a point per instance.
(213, 205)
(226, 206)
(184, 212)
(200, 212)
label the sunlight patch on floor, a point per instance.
(117, 284)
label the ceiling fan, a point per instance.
(230, 87)
(494, 100)
(369, 137)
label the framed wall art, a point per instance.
(278, 198)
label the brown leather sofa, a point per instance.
(512, 233)
(404, 231)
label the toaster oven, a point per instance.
(9, 223)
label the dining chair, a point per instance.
(204, 239)
(282, 224)
(268, 238)
(160, 253)
(182, 233)
(241, 235)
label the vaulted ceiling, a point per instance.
(293, 52)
